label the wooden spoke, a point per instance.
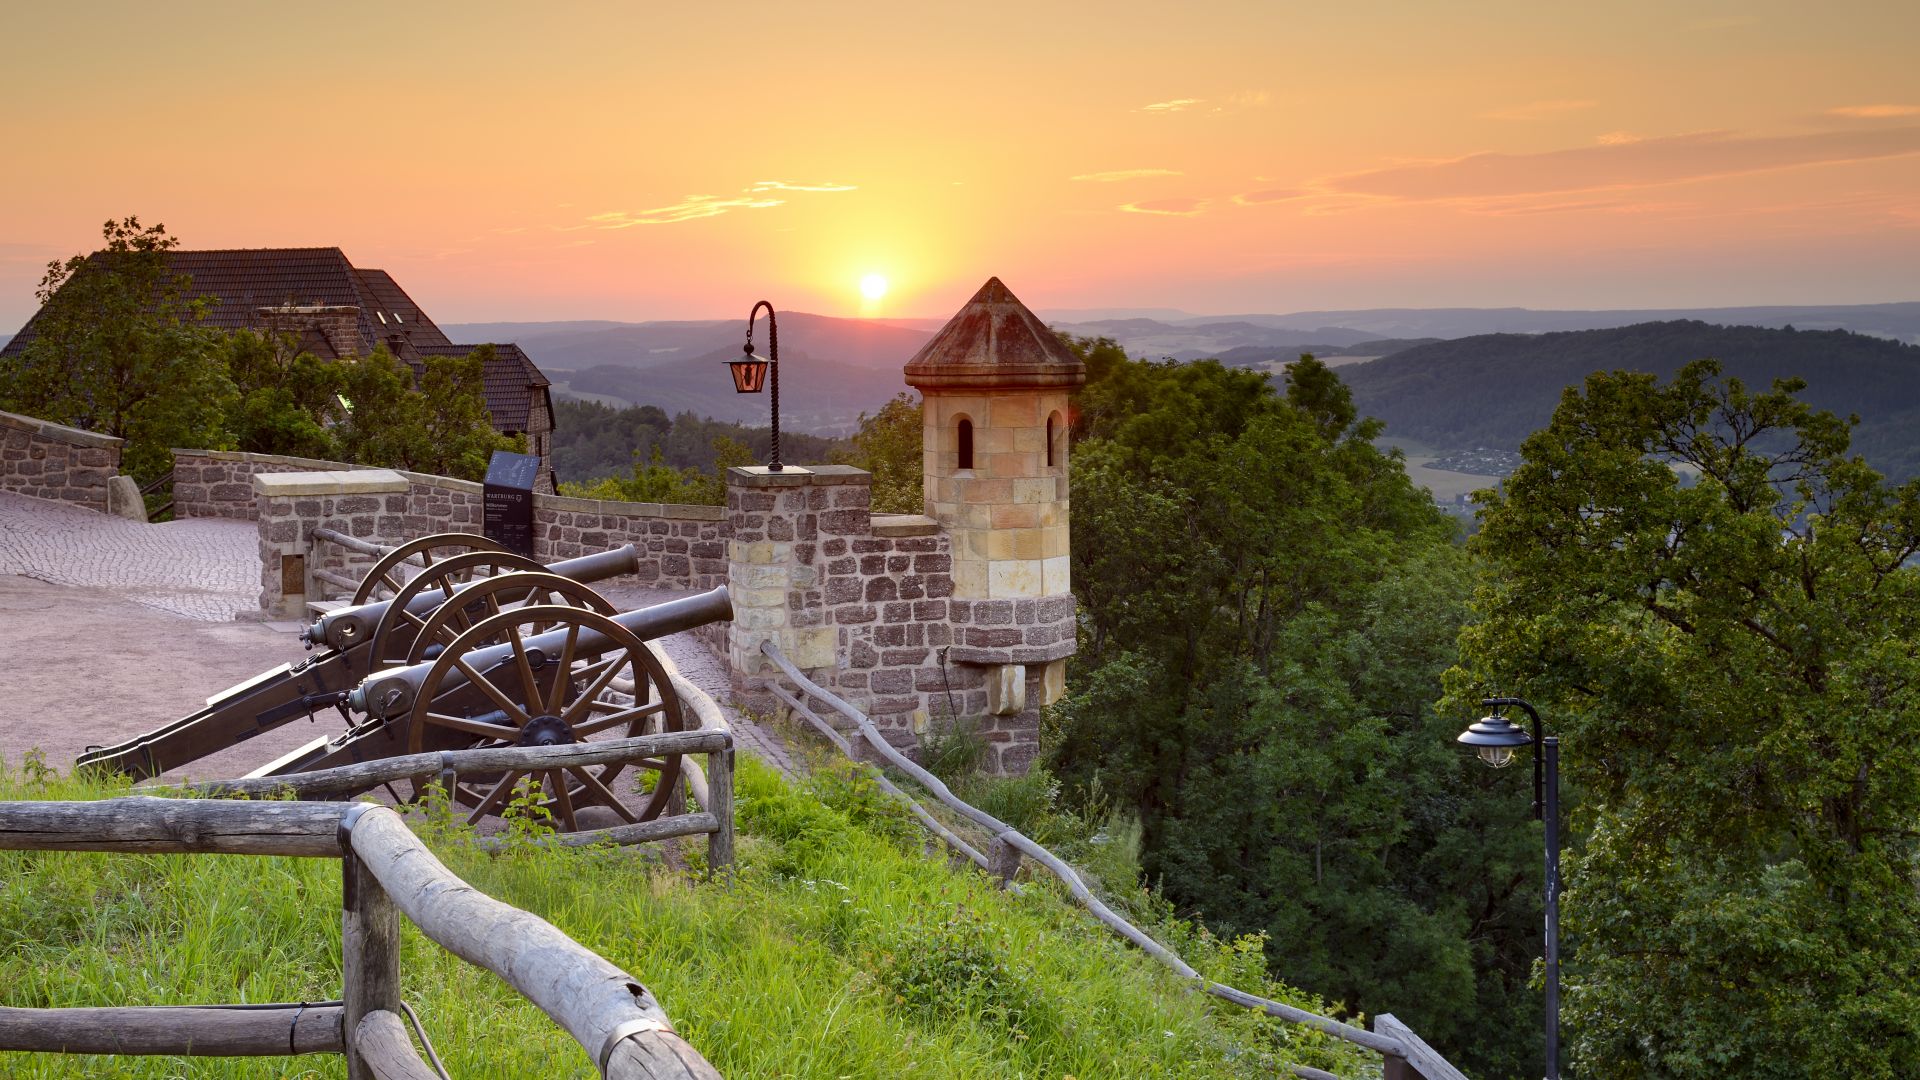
(563, 672)
(499, 792)
(474, 727)
(562, 799)
(507, 705)
(525, 665)
(625, 716)
(579, 706)
(602, 795)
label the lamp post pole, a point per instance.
(749, 371)
(1495, 740)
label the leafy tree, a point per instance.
(440, 427)
(117, 349)
(1718, 610)
(1266, 606)
(285, 401)
(888, 445)
(658, 481)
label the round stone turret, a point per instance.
(997, 385)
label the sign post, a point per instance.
(507, 511)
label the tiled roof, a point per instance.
(511, 381)
(244, 280)
(994, 341)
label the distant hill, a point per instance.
(1900, 321)
(1493, 390)
(832, 370)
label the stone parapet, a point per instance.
(52, 461)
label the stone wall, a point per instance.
(680, 547)
(52, 461)
(863, 604)
(219, 483)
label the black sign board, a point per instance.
(508, 511)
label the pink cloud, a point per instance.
(1181, 207)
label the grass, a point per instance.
(840, 950)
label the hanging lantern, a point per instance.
(749, 372)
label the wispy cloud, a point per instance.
(1176, 105)
(695, 207)
(1118, 175)
(1181, 207)
(1271, 195)
(1534, 110)
(1616, 138)
(1874, 112)
(1645, 163)
(782, 185)
(692, 208)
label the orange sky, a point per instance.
(553, 161)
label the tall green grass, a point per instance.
(838, 950)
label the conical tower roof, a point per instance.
(995, 342)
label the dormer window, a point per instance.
(966, 443)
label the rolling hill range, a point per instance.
(1493, 390)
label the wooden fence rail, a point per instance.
(1394, 1046)
(386, 872)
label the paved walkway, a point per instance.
(206, 569)
(96, 645)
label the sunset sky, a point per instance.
(625, 161)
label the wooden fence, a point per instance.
(1407, 1057)
(386, 871)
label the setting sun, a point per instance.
(873, 286)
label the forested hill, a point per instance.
(1495, 389)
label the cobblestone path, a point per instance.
(201, 568)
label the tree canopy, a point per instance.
(1717, 609)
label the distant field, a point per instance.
(1445, 484)
(564, 392)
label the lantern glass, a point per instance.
(1498, 757)
(749, 374)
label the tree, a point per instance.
(1266, 606)
(285, 401)
(1717, 608)
(888, 445)
(117, 348)
(439, 427)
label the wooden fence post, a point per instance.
(1003, 861)
(370, 947)
(720, 788)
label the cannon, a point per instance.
(479, 647)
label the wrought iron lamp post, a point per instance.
(750, 372)
(1495, 739)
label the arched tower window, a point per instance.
(966, 443)
(1053, 427)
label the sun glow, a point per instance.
(873, 287)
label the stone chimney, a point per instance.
(337, 326)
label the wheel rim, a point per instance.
(460, 707)
(489, 596)
(386, 575)
(398, 629)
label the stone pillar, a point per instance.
(289, 506)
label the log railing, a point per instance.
(1407, 1058)
(386, 872)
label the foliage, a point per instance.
(789, 971)
(117, 349)
(1266, 604)
(434, 422)
(888, 445)
(285, 401)
(1440, 393)
(657, 481)
(594, 442)
(1730, 658)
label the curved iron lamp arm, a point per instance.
(773, 362)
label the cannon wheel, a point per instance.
(399, 629)
(489, 596)
(531, 700)
(386, 575)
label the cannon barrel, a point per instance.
(348, 627)
(390, 693)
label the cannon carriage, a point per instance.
(452, 643)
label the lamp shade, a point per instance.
(1495, 740)
(749, 372)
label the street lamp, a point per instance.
(1495, 739)
(750, 372)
